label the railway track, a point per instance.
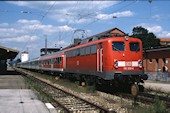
(146, 98)
(67, 101)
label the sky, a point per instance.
(24, 26)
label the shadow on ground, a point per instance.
(11, 72)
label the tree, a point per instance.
(148, 38)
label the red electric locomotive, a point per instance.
(114, 60)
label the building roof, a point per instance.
(159, 48)
(164, 39)
(7, 53)
(113, 31)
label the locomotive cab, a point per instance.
(125, 62)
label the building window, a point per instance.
(150, 60)
(164, 60)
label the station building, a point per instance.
(158, 59)
(6, 53)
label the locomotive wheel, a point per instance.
(134, 90)
(83, 84)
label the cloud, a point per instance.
(4, 25)
(25, 34)
(117, 15)
(27, 22)
(157, 17)
(20, 3)
(27, 27)
(25, 38)
(10, 32)
(156, 29)
(68, 11)
(46, 29)
(61, 43)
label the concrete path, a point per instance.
(20, 101)
(162, 86)
(16, 98)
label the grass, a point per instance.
(157, 107)
(37, 90)
(66, 83)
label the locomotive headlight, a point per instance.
(126, 38)
(140, 63)
(116, 64)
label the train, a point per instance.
(114, 60)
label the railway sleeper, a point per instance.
(79, 107)
(82, 109)
(77, 103)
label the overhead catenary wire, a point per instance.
(68, 24)
(94, 14)
(41, 20)
(112, 13)
(82, 16)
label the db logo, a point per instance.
(128, 63)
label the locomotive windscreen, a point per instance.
(134, 46)
(118, 46)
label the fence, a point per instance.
(159, 76)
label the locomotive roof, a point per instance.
(51, 55)
(106, 34)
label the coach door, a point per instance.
(100, 58)
(64, 61)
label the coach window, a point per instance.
(73, 53)
(118, 46)
(87, 50)
(69, 53)
(134, 46)
(60, 60)
(93, 49)
(82, 51)
(55, 61)
(77, 52)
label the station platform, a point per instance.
(15, 97)
(156, 85)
